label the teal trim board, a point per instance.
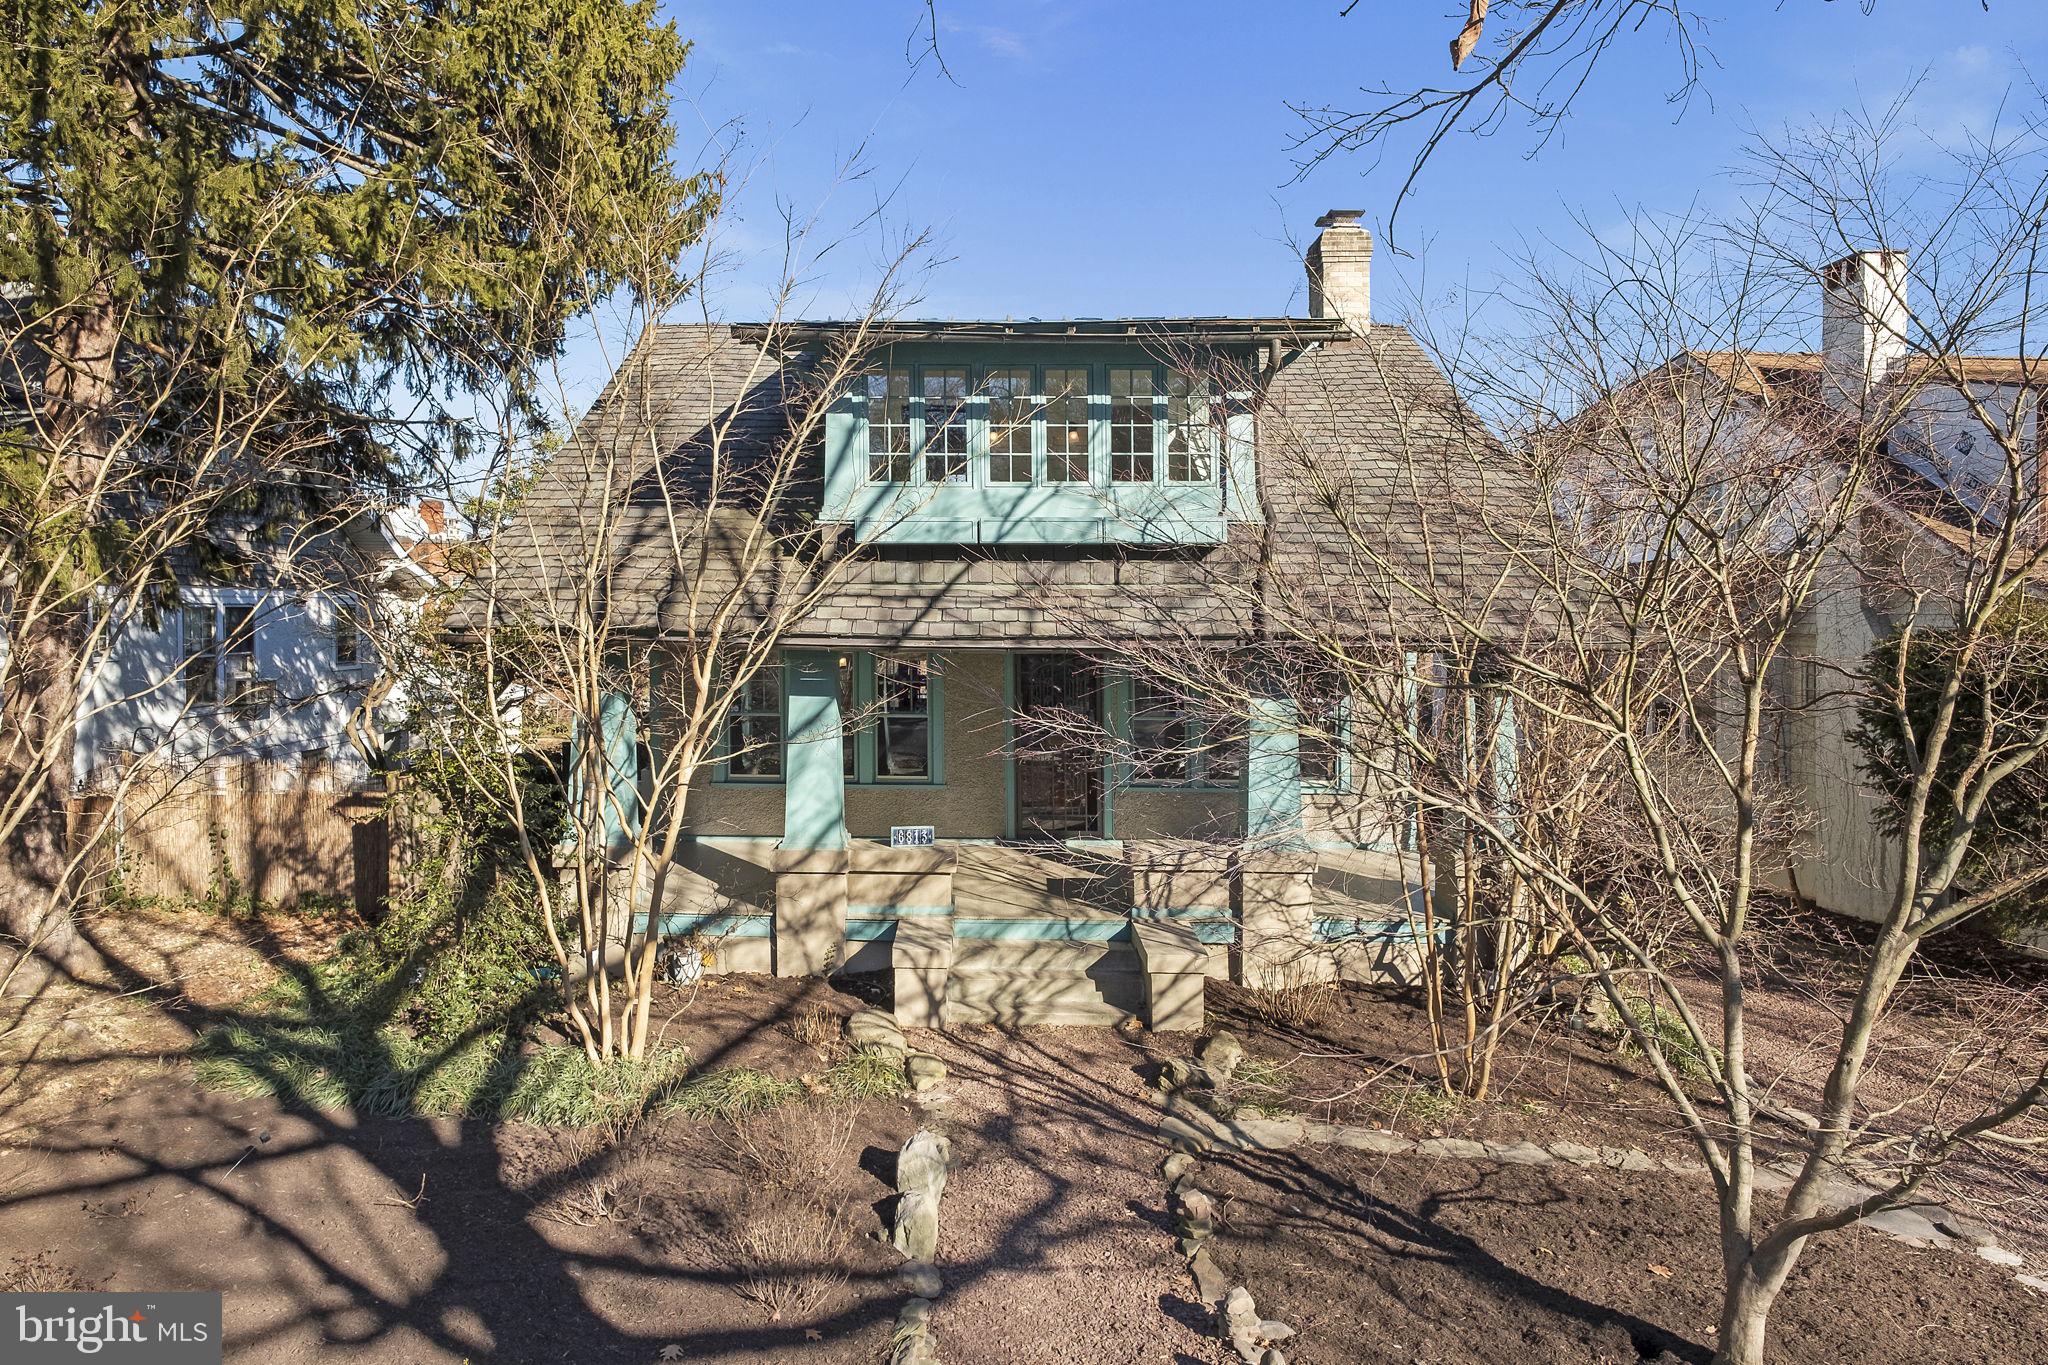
(814, 788)
(714, 925)
(1374, 931)
(1272, 772)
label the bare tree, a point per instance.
(640, 586)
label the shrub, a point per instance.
(867, 1073)
(730, 1093)
(1296, 1003)
(788, 1254)
(44, 1274)
(817, 1026)
(799, 1148)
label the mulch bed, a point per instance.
(1415, 1262)
(338, 1238)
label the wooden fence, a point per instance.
(244, 835)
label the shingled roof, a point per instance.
(1351, 434)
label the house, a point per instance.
(1938, 492)
(232, 739)
(1018, 493)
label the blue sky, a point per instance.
(1134, 158)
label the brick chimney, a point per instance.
(1340, 270)
(1863, 322)
(434, 515)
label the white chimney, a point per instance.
(1340, 270)
(1863, 322)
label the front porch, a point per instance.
(1013, 935)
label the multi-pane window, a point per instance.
(945, 426)
(238, 654)
(1066, 425)
(202, 658)
(888, 395)
(753, 736)
(1320, 745)
(1172, 742)
(1131, 430)
(348, 637)
(1190, 447)
(1009, 425)
(904, 715)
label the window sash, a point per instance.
(888, 414)
(1009, 425)
(903, 711)
(1067, 429)
(202, 656)
(1190, 440)
(944, 404)
(754, 727)
(1172, 746)
(1133, 426)
(348, 637)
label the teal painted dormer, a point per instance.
(1029, 443)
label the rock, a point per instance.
(1272, 1357)
(1241, 1324)
(923, 1071)
(1220, 1054)
(1373, 1140)
(1576, 1154)
(2000, 1256)
(872, 1028)
(1459, 1149)
(2033, 1282)
(917, 1226)
(1197, 1215)
(915, 1315)
(1271, 1135)
(921, 1165)
(1176, 1074)
(920, 1279)
(1210, 1286)
(1176, 1165)
(1201, 1120)
(1965, 1230)
(1627, 1159)
(913, 1335)
(1518, 1153)
(1319, 1134)
(1186, 1138)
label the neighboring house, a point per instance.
(1940, 473)
(233, 737)
(1024, 491)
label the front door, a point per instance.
(1058, 747)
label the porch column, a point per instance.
(1277, 871)
(811, 864)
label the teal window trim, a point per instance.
(1198, 752)
(866, 765)
(1202, 461)
(1340, 744)
(723, 772)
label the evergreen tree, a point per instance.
(254, 258)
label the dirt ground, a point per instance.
(389, 1242)
(1415, 1262)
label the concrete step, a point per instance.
(1070, 992)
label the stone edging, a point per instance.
(920, 1179)
(1194, 1129)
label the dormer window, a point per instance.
(1066, 425)
(888, 395)
(945, 426)
(1132, 433)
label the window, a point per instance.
(888, 395)
(888, 712)
(903, 705)
(348, 637)
(1319, 748)
(753, 737)
(1009, 426)
(202, 659)
(945, 426)
(238, 655)
(1066, 426)
(1190, 446)
(1172, 744)
(1131, 430)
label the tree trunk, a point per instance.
(1752, 1288)
(49, 628)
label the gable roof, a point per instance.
(1371, 416)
